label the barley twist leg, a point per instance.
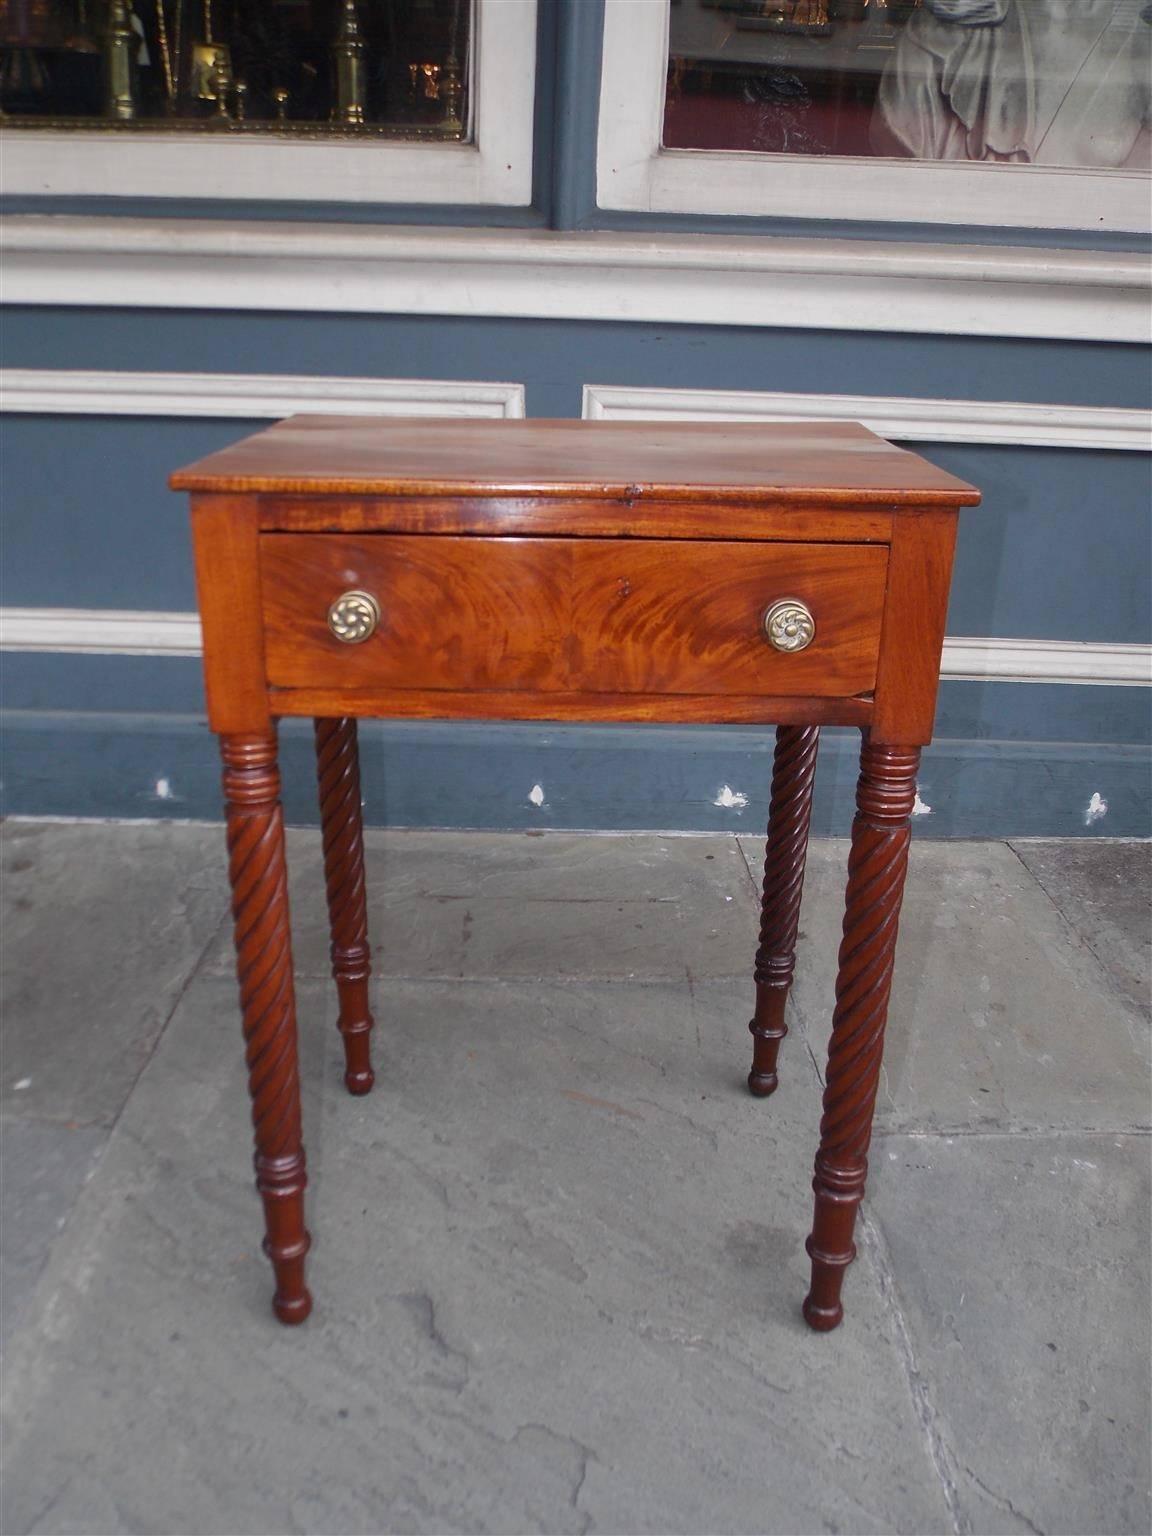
(258, 873)
(338, 771)
(877, 865)
(789, 817)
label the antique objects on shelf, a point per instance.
(312, 68)
(452, 94)
(211, 76)
(120, 46)
(221, 85)
(170, 56)
(424, 80)
(453, 88)
(348, 68)
(809, 18)
(601, 572)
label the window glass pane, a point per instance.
(1044, 82)
(396, 68)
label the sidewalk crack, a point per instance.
(939, 1452)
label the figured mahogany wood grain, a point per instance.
(225, 543)
(649, 617)
(771, 517)
(915, 612)
(591, 708)
(827, 463)
(565, 615)
(455, 613)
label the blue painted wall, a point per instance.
(1060, 549)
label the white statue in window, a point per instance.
(1042, 82)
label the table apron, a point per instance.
(570, 708)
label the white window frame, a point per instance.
(496, 167)
(635, 172)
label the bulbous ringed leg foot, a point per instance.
(293, 1310)
(768, 1029)
(762, 1084)
(822, 1319)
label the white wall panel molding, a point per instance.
(634, 171)
(853, 285)
(110, 632)
(249, 396)
(907, 420)
(99, 632)
(1047, 661)
(495, 168)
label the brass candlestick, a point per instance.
(348, 65)
(280, 97)
(167, 63)
(119, 64)
(452, 93)
(452, 90)
(221, 83)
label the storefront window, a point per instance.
(313, 68)
(1062, 83)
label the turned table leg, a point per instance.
(789, 816)
(877, 865)
(338, 770)
(258, 872)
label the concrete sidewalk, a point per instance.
(559, 1250)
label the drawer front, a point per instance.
(653, 617)
(571, 615)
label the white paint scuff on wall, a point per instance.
(730, 799)
(163, 789)
(920, 807)
(1097, 809)
(536, 795)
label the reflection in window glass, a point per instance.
(394, 67)
(1044, 82)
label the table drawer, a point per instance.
(564, 615)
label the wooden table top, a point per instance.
(833, 463)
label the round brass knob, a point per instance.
(353, 617)
(789, 625)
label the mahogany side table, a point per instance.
(575, 571)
